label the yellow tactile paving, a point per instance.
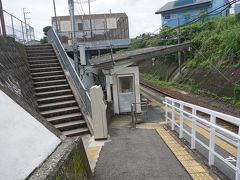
(188, 163)
(195, 169)
(201, 176)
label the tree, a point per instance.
(46, 29)
(44, 40)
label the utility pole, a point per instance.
(25, 21)
(90, 19)
(179, 42)
(2, 20)
(55, 14)
(74, 40)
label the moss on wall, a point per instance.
(74, 166)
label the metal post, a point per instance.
(55, 14)
(193, 141)
(212, 142)
(89, 9)
(13, 33)
(237, 176)
(166, 111)
(179, 42)
(25, 21)
(33, 33)
(30, 32)
(173, 116)
(23, 31)
(74, 40)
(2, 20)
(181, 122)
(133, 116)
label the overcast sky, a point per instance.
(141, 13)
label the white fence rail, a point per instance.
(180, 113)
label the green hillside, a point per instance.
(211, 67)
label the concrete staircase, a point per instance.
(55, 99)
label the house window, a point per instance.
(167, 17)
(80, 26)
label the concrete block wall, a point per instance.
(15, 74)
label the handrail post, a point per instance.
(173, 116)
(23, 32)
(212, 142)
(181, 122)
(193, 141)
(12, 27)
(133, 116)
(166, 110)
(237, 176)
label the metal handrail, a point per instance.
(177, 107)
(82, 92)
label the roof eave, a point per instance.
(169, 10)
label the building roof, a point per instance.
(179, 4)
(109, 61)
(93, 16)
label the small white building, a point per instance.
(237, 8)
(120, 74)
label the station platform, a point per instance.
(148, 152)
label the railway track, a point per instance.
(220, 122)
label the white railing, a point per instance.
(180, 113)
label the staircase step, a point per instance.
(55, 99)
(48, 78)
(46, 69)
(34, 48)
(52, 88)
(43, 74)
(54, 93)
(41, 58)
(42, 54)
(37, 50)
(64, 118)
(46, 83)
(57, 105)
(76, 132)
(38, 46)
(69, 124)
(59, 112)
(33, 66)
(43, 62)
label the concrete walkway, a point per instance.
(137, 154)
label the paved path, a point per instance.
(137, 154)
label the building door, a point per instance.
(126, 92)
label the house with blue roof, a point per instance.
(180, 12)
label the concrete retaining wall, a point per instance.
(15, 74)
(69, 161)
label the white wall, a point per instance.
(24, 142)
